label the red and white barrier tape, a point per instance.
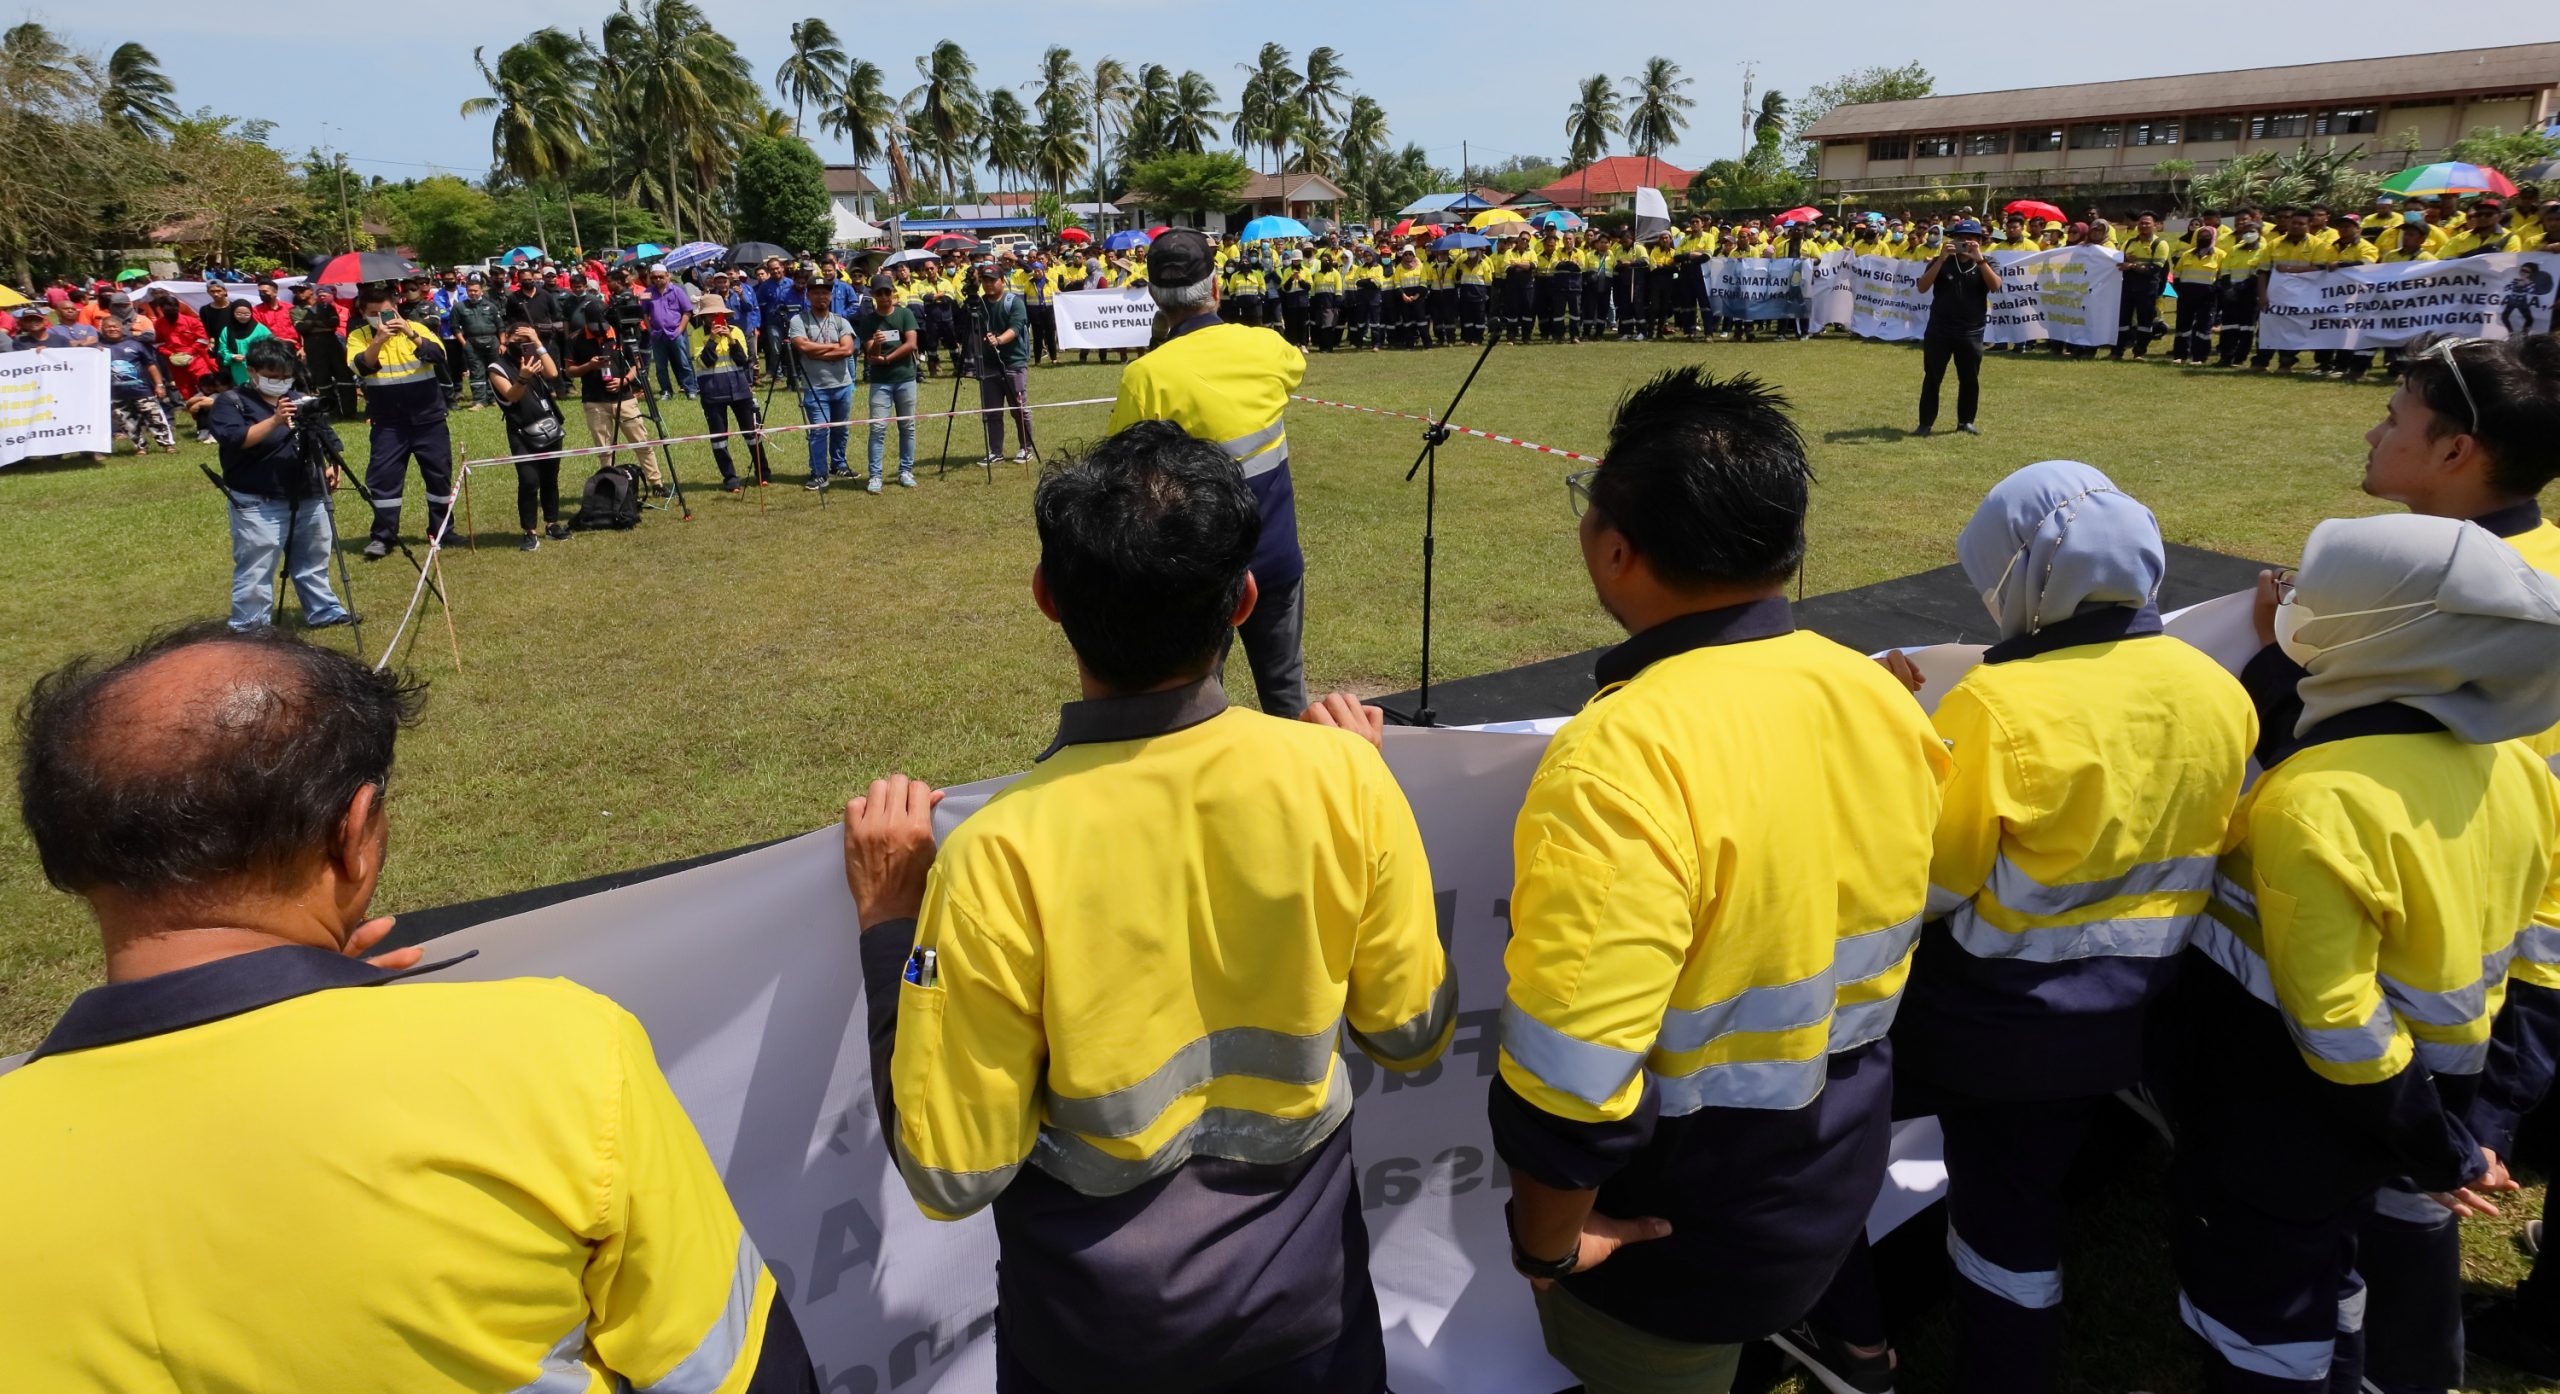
(779, 428)
(1460, 430)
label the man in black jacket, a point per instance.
(477, 322)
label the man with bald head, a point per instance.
(231, 1168)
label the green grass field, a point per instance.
(625, 699)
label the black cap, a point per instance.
(1179, 257)
(882, 282)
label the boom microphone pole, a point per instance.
(1428, 465)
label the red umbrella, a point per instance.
(1407, 227)
(359, 268)
(1157, 231)
(1074, 234)
(1797, 215)
(2042, 212)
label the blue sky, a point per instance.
(1494, 74)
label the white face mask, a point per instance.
(273, 387)
(2291, 617)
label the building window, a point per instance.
(1934, 147)
(1889, 148)
(2211, 128)
(2106, 136)
(1987, 143)
(2277, 125)
(2348, 121)
(2036, 138)
(2155, 132)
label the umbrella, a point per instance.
(1124, 241)
(950, 242)
(2448, 178)
(132, 273)
(2044, 212)
(1558, 219)
(909, 258)
(522, 255)
(1157, 231)
(1797, 215)
(1490, 216)
(1074, 234)
(1510, 227)
(358, 268)
(10, 297)
(2541, 172)
(1262, 228)
(1318, 227)
(1462, 242)
(1406, 228)
(693, 254)
(750, 253)
(644, 252)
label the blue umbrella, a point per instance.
(1558, 219)
(522, 255)
(693, 254)
(1125, 241)
(644, 251)
(1261, 229)
(1463, 242)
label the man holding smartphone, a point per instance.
(395, 361)
(1959, 282)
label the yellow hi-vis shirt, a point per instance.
(2373, 890)
(1719, 873)
(218, 1179)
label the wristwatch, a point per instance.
(1529, 1265)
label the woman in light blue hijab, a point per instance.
(2056, 540)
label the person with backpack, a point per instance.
(521, 373)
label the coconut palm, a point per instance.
(539, 94)
(1770, 121)
(1010, 138)
(1193, 121)
(1312, 147)
(1592, 120)
(1111, 93)
(1655, 114)
(1325, 87)
(1058, 150)
(137, 97)
(1364, 133)
(1150, 111)
(37, 64)
(682, 94)
(1270, 88)
(945, 113)
(814, 69)
(1060, 84)
(863, 114)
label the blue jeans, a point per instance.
(258, 526)
(826, 443)
(675, 348)
(893, 399)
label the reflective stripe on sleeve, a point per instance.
(2459, 1007)
(708, 1366)
(2016, 890)
(1782, 1007)
(2539, 943)
(948, 1192)
(1943, 903)
(1420, 1033)
(1260, 451)
(1239, 1050)
(1236, 1134)
(2361, 1044)
(1591, 1073)
(1862, 956)
(1770, 1084)
(2453, 1057)
(2351, 1312)
(2410, 1208)
(2036, 1290)
(2294, 1360)
(564, 1367)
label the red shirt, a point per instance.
(278, 318)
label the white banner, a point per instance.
(1756, 288)
(1885, 298)
(747, 976)
(2498, 296)
(53, 402)
(1106, 319)
(1830, 288)
(2067, 294)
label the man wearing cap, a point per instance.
(1229, 385)
(887, 331)
(2485, 232)
(1004, 362)
(1959, 283)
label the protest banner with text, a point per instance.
(1750, 289)
(1106, 319)
(2070, 295)
(54, 402)
(2500, 295)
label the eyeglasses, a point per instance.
(1577, 489)
(2443, 349)
(2285, 582)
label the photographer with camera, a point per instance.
(278, 468)
(609, 384)
(1959, 282)
(395, 359)
(521, 374)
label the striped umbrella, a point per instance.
(693, 254)
(2448, 177)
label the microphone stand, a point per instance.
(1428, 465)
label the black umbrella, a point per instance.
(750, 253)
(1318, 226)
(361, 268)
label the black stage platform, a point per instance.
(1933, 607)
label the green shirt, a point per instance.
(1010, 312)
(897, 324)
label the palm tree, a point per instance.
(1061, 82)
(1193, 121)
(1654, 117)
(683, 93)
(37, 63)
(814, 69)
(1589, 123)
(1010, 138)
(1057, 149)
(1313, 146)
(539, 94)
(1111, 93)
(138, 98)
(1325, 87)
(863, 114)
(1364, 133)
(1150, 112)
(945, 114)
(1770, 122)
(1270, 87)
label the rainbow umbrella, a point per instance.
(2448, 177)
